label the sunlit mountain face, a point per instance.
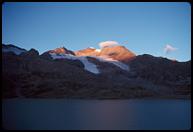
(61, 50)
(88, 52)
(119, 53)
(113, 71)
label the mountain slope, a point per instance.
(87, 52)
(119, 53)
(13, 49)
(62, 74)
(61, 50)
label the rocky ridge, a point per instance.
(30, 75)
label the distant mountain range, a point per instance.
(110, 72)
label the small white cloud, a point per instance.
(168, 48)
(98, 50)
(107, 44)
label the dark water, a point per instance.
(96, 114)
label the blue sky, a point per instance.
(144, 28)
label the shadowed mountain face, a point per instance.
(13, 49)
(112, 72)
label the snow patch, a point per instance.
(87, 65)
(115, 62)
(14, 50)
(63, 56)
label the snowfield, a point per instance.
(14, 50)
(110, 60)
(87, 64)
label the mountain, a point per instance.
(87, 52)
(12, 48)
(161, 70)
(86, 57)
(61, 50)
(31, 53)
(56, 52)
(112, 72)
(119, 53)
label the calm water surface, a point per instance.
(96, 114)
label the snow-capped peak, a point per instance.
(61, 50)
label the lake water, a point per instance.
(57, 114)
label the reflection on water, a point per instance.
(96, 114)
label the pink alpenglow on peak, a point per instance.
(62, 50)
